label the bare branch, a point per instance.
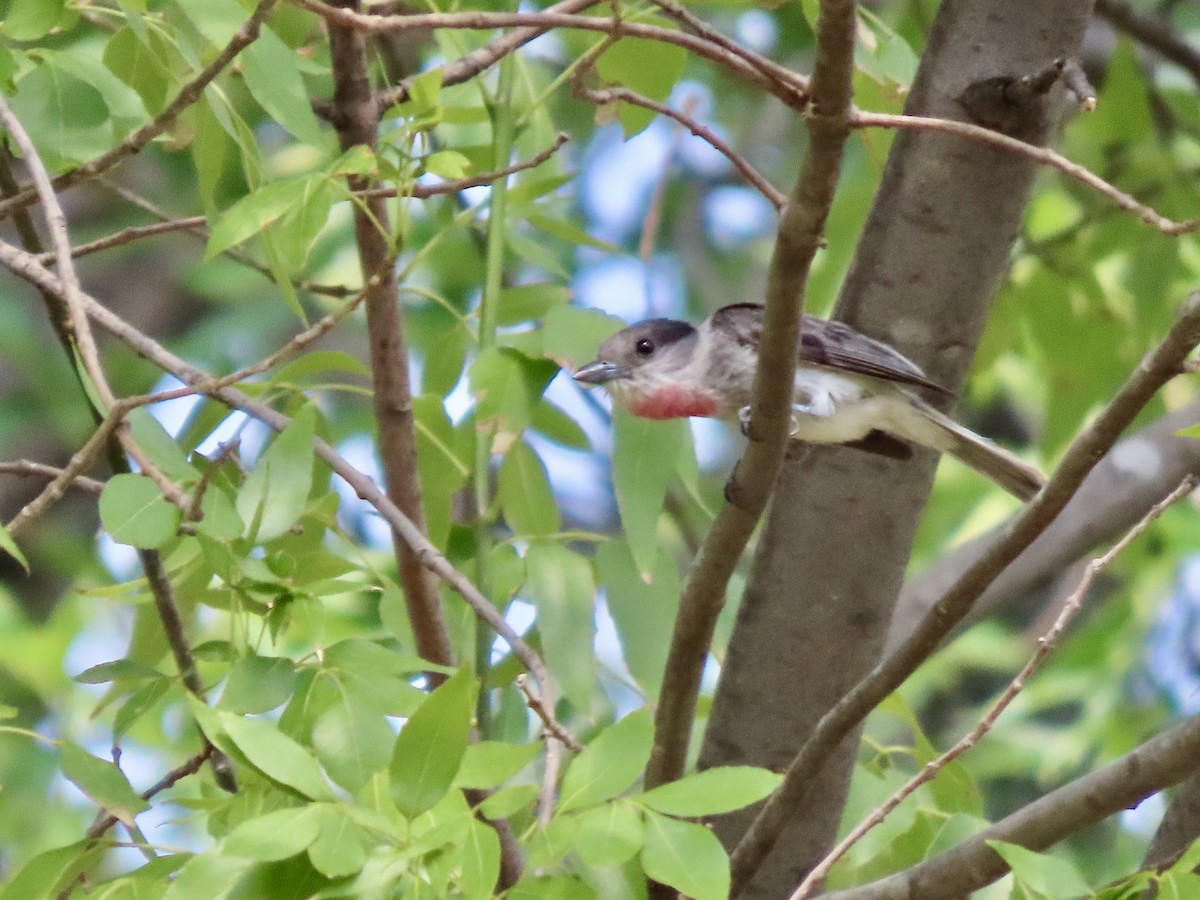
(191, 767)
(1158, 367)
(1045, 645)
(33, 469)
(1043, 155)
(606, 96)
(356, 118)
(750, 486)
(791, 88)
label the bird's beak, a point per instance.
(599, 372)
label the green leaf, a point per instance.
(65, 116)
(161, 447)
(551, 887)
(610, 763)
(258, 683)
(340, 847)
(649, 68)
(488, 764)
(431, 745)
(253, 213)
(275, 754)
(643, 610)
(117, 670)
(217, 20)
(319, 362)
(561, 585)
(139, 703)
(508, 801)
(9, 546)
(447, 164)
(610, 834)
(686, 856)
(102, 781)
(275, 835)
(208, 876)
(1046, 874)
(281, 479)
(352, 740)
(711, 792)
(550, 844)
(571, 335)
(506, 385)
(48, 874)
(525, 494)
(123, 103)
(28, 20)
(273, 79)
(1192, 431)
(135, 63)
(135, 512)
(481, 861)
(569, 232)
(551, 422)
(442, 471)
(645, 458)
(525, 302)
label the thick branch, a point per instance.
(1123, 784)
(1139, 468)
(1158, 367)
(799, 237)
(357, 121)
(1044, 647)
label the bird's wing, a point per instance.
(833, 345)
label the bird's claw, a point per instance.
(798, 410)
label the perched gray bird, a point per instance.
(849, 387)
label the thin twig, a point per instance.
(699, 27)
(77, 323)
(791, 88)
(426, 191)
(197, 225)
(129, 235)
(191, 767)
(1045, 645)
(1042, 155)
(605, 96)
(33, 469)
(1158, 367)
(136, 140)
(552, 725)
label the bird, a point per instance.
(849, 388)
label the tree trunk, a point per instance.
(831, 559)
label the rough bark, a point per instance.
(831, 559)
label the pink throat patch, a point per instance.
(674, 402)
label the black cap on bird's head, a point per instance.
(631, 348)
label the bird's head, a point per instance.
(651, 369)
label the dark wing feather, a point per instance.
(834, 345)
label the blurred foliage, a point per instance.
(352, 773)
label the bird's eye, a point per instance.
(644, 347)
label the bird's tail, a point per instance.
(940, 432)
